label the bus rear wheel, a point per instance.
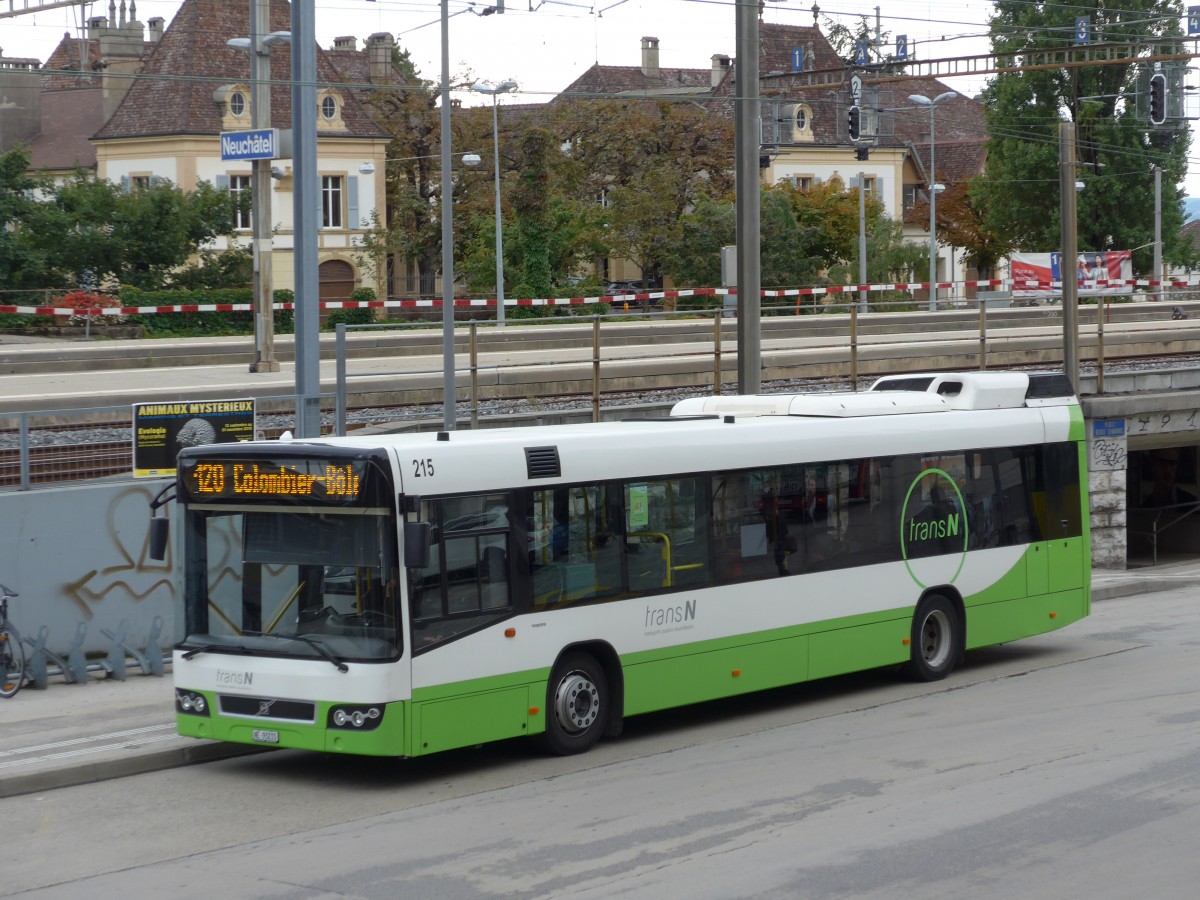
(936, 639)
(577, 704)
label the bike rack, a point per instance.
(114, 663)
(39, 674)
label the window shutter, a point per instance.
(352, 203)
(222, 182)
(126, 184)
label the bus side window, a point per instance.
(467, 582)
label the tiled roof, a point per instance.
(607, 80)
(956, 161)
(174, 91)
(68, 117)
(66, 58)
(778, 41)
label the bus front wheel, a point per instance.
(936, 643)
(577, 704)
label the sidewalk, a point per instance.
(79, 734)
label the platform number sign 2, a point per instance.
(902, 47)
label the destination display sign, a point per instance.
(325, 480)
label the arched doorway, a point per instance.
(335, 280)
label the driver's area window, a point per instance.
(468, 580)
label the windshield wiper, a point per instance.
(228, 648)
(304, 639)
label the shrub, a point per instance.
(87, 304)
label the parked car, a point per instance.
(622, 287)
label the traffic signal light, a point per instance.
(854, 117)
(1158, 98)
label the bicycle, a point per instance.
(12, 655)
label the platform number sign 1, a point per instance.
(797, 59)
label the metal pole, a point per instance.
(854, 348)
(746, 150)
(1070, 253)
(448, 398)
(307, 216)
(862, 240)
(982, 334)
(932, 215)
(1158, 261)
(595, 368)
(499, 220)
(260, 211)
(340, 401)
(717, 354)
(474, 352)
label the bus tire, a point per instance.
(577, 704)
(936, 639)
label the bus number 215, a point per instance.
(422, 468)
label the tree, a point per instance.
(696, 257)
(94, 232)
(960, 223)
(1117, 151)
(650, 162)
(22, 262)
(408, 111)
(531, 209)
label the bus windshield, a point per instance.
(289, 557)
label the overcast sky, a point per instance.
(546, 48)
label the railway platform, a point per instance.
(75, 734)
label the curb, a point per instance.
(106, 770)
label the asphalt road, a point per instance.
(1064, 766)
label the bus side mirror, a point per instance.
(417, 538)
(160, 529)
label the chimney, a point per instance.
(96, 24)
(650, 57)
(379, 56)
(345, 43)
(720, 65)
(156, 29)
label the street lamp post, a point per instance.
(259, 46)
(933, 189)
(501, 88)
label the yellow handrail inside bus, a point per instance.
(287, 603)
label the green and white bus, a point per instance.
(402, 595)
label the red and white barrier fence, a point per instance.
(484, 303)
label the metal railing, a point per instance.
(36, 447)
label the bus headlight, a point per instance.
(191, 703)
(355, 718)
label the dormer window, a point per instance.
(237, 104)
(330, 105)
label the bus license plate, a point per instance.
(265, 737)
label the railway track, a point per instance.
(103, 449)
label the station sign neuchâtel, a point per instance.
(259, 143)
